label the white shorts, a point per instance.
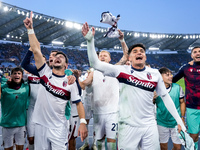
(105, 124)
(88, 111)
(50, 139)
(165, 133)
(131, 138)
(30, 123)
(74, 123)
(9, 134)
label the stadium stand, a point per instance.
(11, 55)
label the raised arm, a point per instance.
(105, 68)
(35, 45)
(124, 58)
(26, 63)
(179, 74)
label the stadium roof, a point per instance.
(49, 29)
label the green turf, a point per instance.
(181, 82)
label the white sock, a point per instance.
(101, 145)
(111, 146)
(31, 147)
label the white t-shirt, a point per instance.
(52, 97)
(105, 93)
(34, 83)
(136, 93)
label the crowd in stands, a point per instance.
(11, 54)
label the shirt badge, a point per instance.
(64, 83)
(149, 76)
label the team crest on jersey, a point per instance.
(132, 71)
(149, 76)
(64, 83)
(191, 70)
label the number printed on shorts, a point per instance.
(115, 127)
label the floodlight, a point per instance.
(23, 13)
(36, 16)
(69, 24)
(20, 37)
(12, 36)
(5, 8)
(83, 45)
(154, 48)
(8, 36)
(27, 14)
(59, 22)
(77, 26)
(57, 42)
(40, 17)
(18, 11)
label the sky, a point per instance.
(157, 16)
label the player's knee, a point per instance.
(31, 140)
(163, 146)
(111, 140)
(177, 147)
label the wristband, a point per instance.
(122, 40)
(31, 31)
(182, 116)
(82, 120)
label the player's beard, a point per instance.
(57, 67)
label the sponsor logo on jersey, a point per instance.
(56, 91)
(149, 76)
(134, 81)
(34, 80)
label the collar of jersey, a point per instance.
(138, 69)
(196, 63)
(58, 75)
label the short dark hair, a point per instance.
(54, 51)
(195, 48)
(17, 69)
(164, 70)
(136, 45)
(66, 59)
(44, 57)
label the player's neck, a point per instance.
(59, 72)
(138, 66)
(167, 85)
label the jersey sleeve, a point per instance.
(181, 93)
(105, 68)
(26, 64)
(75, 96)
(160, 88)
(43, 69)
(179, 74)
